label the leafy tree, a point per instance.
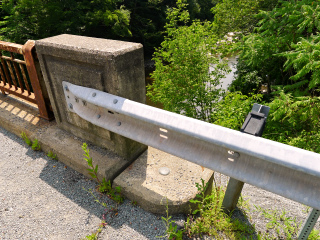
(278, 32)
(148, 18)
(295, 121)
(292, 120)
(134, 20)
(232, 110)
(238, 15)
(305, 59)
(182, 80)
(35, 19)
(247, 81)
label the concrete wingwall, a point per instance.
(111, 66)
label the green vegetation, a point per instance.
(104, 186)
(35, 19)
(171, 229)
(282, 44)
(281, 53)
(103, 223)
(238, 16)
(182, 80)
(33, 144)
(52, 155)
(26, 139)
(278, 45)
(209, 219)
(134, 20)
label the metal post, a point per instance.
(232, 194)
(43, 105)
(309, 224)
(254, 125)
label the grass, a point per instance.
(209, 219)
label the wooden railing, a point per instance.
(19, 75)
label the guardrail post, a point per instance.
(254, 125)
(110, 66)
(309, 224)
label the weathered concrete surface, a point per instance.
(140, 182)
(115, 67)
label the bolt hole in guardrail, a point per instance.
(163, 132)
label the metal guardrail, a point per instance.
(20, 77)
(285, 170)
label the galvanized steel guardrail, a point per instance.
(285, 170)
(288, 171)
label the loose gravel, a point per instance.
(41, 198)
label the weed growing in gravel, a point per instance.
(52, 155)
(171, 229)
(26, 139)
(95, 235)
(283, 227)
(210, 219)
(35, 145)
(104, 186)
(112, 210)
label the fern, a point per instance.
(295, 121)
(305, 58)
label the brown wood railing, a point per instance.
(20, 77)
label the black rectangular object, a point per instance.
(254, 124)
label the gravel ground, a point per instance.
(41, 198)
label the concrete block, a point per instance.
(111, 66)
(143, 183)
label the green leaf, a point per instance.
(92, 175)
